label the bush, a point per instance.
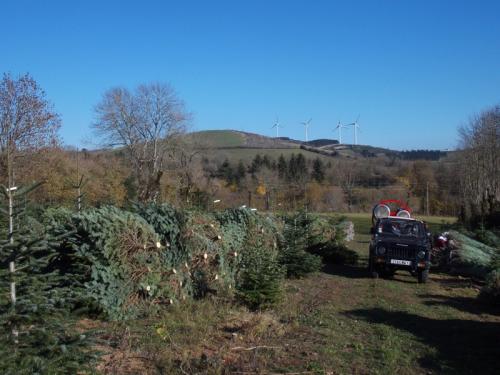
(259, 276)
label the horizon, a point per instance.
(413, 72)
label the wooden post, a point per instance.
(427, 198)
(12, 265)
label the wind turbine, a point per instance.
(356, 128)
(306, 126)
(339, 127)
(277, 126)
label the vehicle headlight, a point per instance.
(380, 250)
(421, 254)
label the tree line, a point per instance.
(148, 156)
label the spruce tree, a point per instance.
(318, 172)
(38, 334)
(282, 167)
(294, 257)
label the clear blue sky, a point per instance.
(413, 70)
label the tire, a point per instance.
(388, 274)
(423, 276)
(373, 270)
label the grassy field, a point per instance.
(338, 321)
(222, 138)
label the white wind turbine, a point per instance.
(339, 127)
(306, 126)
(356, 128)
(277, 125)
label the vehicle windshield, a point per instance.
(399, 227)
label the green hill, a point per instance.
(236, 145)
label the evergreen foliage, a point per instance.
(470, 257)
(491, 291)
(294, 258)
(259, 276)
(327, 240)
(282, 167)
(38, 334)
(318, 171)
(138, 261)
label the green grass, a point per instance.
(436, 224)
(221, 138)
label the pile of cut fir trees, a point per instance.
(116, 264)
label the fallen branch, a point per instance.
(254, 347)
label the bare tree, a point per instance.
(347, 176)
(145, 122)
(27, 120)
(480, 165)
(186, 165)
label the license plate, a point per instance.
(401, 262)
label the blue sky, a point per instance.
(413, 70)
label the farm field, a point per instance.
(338, 321)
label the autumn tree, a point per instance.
(480, 168)
(146, 122)
(28, 122)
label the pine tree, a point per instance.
(258, 282)
(225, 171)
(240, 173)
(256, 164)
(282, 167)
(38, 334)
(318, 172)
(294, 257)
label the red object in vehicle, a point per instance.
(441, 242)
(395, 206)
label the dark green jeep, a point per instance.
(400, 243)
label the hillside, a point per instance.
(233, 144)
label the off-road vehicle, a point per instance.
(398, 242)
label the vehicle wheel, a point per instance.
(423, 276)
(373, 270)
(388, 274)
